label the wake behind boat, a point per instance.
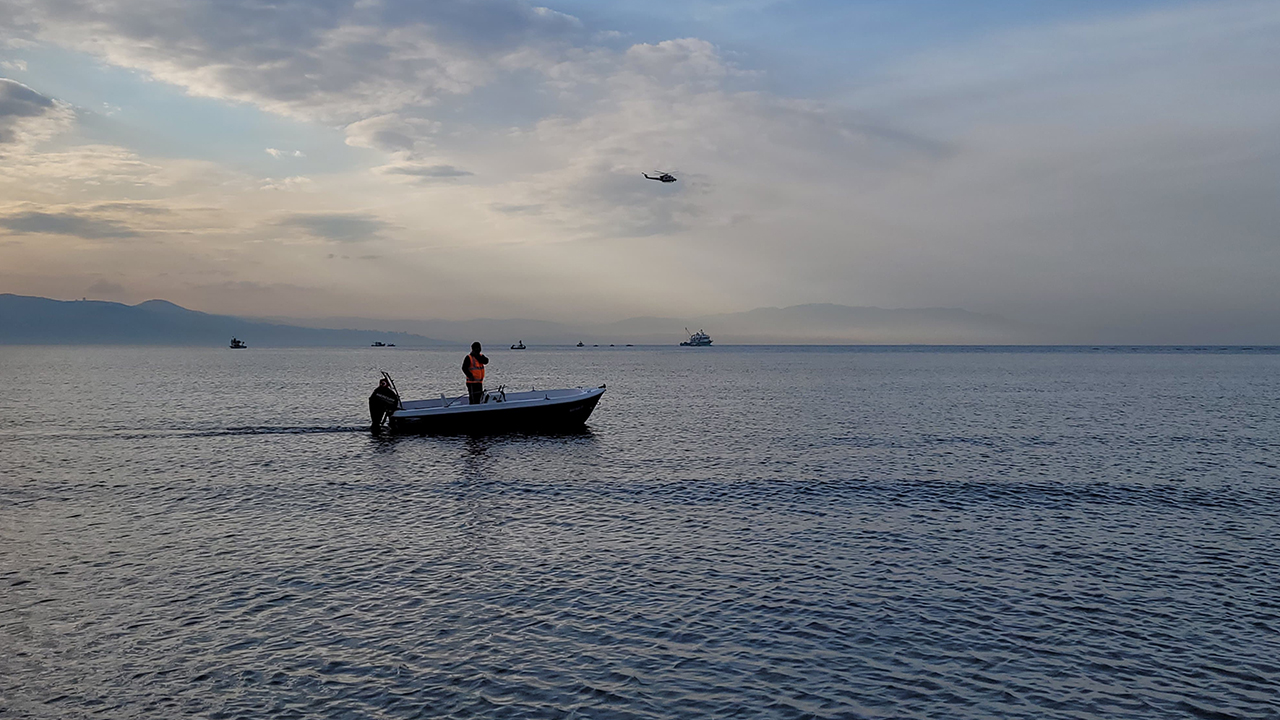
(501, 411)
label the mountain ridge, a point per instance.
(816, 323)
(34, 320)
(29, 320)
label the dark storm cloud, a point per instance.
(17, 103)
(19, 100)
(80, 226)
(339, 227)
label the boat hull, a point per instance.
(517, 414)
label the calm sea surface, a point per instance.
(745, 532)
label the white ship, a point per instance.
(698, 339)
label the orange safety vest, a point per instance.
(477, 369)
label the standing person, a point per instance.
(382, 402)
(473, 367)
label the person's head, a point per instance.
(475, 347)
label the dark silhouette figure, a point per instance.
(473, 367)
(382, 403)
(662, 177)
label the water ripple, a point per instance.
(941, 537)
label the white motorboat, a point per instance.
(501, 411)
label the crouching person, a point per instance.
(382, 403)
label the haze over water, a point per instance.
(753, 532)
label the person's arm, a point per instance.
(484, 360)
(466, 368)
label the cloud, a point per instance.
(95, 165)
(106, 288)
(389, 133)
(663, 107)
(338, 227)
(337, 61)
(27, 117)
(1119, 166)
(436, 172)
(680, 61)
(89, 228)
(18, 100)
(139, 208)
(509, 209)
(294, 182)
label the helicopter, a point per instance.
(662, 177)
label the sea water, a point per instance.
(746, 532)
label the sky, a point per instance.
(1102, 170)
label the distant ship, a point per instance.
(377, 343)
(698, 339)
(518, 346)
(237, 344)
(580, 345)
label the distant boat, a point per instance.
(518, 346)
(377, 343)
(698, 339)
(237, 344)
(581, 345)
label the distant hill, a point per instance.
(798, 324)
(40, 321)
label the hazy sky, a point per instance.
(1103, 167)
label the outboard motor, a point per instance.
(384, 401)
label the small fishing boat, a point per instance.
(237, 344)
(518, 346)
(501, 411)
